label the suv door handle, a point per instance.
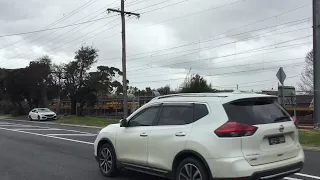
(143, 134)
(179, 134)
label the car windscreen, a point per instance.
(256, 111)
(44, 110)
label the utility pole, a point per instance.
(124, 63)
(316, 61)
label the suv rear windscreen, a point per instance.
(256, 111)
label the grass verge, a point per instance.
(89, 121)
(5, 116)
(310, 138)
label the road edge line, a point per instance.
(307, 175)
(44, 135)
(74, 125)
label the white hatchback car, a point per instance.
(204, 136)
(42, 114)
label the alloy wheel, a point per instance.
(190, 172)
(105, 160)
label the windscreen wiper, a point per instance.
(282, 118)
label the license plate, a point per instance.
(276, 140)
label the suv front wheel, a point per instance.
(191, 169)
(107, 160)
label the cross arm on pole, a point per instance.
(124, 66)
(125, 12)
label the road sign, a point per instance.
(287, 95)
(281, 75)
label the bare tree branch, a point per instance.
(306, 83)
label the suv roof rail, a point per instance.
(192, 95)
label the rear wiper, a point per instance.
(281, 118)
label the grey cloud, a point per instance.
(31, 15)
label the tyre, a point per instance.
(191, 168)
(107, 160)
(38, 118)
(29, 117)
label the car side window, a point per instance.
(200, 111)
(176, 115)
(145, 117)
(33, 110)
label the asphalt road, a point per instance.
(34, 151)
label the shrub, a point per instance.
(14, 112)
(6, 107)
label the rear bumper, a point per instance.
(278, 173)
(239, 167)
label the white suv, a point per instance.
(204, 136)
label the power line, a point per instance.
(246, 71)
(229, 85)
(87, 33)
(49, 29)
(259, 21)
(51, 33)
(73, 12)
(219, 45)
(255, 22)
(74, 39)
(165, 6)
(213, 8)
(180, 17)
(243, 52)
(69, 30)
(54, 23)
(238, 2)
(77, 26)
(153, 5)
(287, 47)
(194, 13)
(130, 4)
(210, 68)
(197, 42)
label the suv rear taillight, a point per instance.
(235, 129)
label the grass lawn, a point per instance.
(310, 138)
(5, 115)
(89, 121)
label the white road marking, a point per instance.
(36, 129)
(31, 126)
(71, 134)
(307, 175)
(74, 125)
(73, 131)
(43, 135)
(290, 178)
(4, 123)
(19, 125)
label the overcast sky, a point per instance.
(229, 42)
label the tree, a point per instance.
(57, 74)
(306, 83)
(15, 86)
(165, 90)
(196, 84)
(40, 81)
(76, 73)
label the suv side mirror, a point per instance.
(123, 123)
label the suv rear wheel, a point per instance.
(107, 160)
(191, 169)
